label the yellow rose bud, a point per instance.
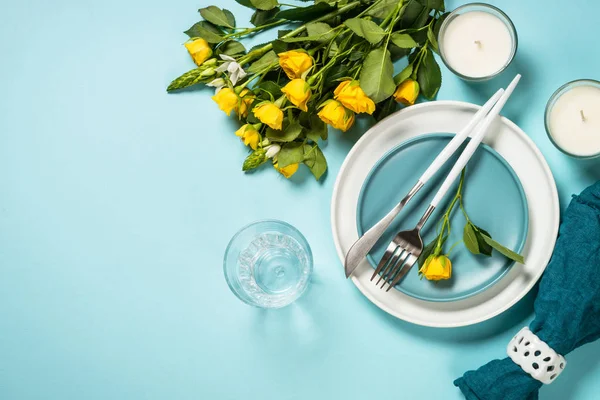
(247, 100)
(229, 101)
(249, 136)
(334, 114)
(295, 63)
(270, 114)
(298, 93)
(437, 268)
(200, 50)
(288, 170)
(353, 98)
(407, 92)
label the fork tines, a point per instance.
(391, 264)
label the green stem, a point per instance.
(446, 216)
(256, 29)
(329, 64)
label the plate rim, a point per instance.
(514, 176)
(449, 104)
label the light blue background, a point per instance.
(117, 201)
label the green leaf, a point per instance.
(291, 132)
(315, 160)
(403, 40)
(315, 127)
(230, 17)
(438, 24)
(397, 53)
(217, 16)
(305, 14)
(366, 29)
(254, 160)
(336, 72)
(270, 87)
(314, 136)
(435, 4)
(261, 17)
(411, 12)
(231, 48)
(320, 29)
(245, 3)
(484, 247)
(432, 40)
(382, 8)
(264, 4)
(268, 59)
(356, 55)
(404, 74)
(376, 77)
(385, 108)
(316, 32)
(290, 153)
(429, 76)
(503, 250)
(470, 239)
(279, 46)
(427, 251)
(190, 78)
(206, 31)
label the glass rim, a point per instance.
(507, 21)
(302, 240)
(550, 104)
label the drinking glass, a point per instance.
(268, 264)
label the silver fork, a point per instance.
(407, 246)
(405, 249)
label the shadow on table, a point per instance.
(297, 324)
(513, 110)
(509, 321)
(583, 362)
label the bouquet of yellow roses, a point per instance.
(334, 65)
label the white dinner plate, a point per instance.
(514, 146)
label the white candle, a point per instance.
(477, 41)
(573, 119)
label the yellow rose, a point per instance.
(247, 100)
(298, 92)
(353, 98)
(200, 50)
(249, 136)
(288, 170)
(407, 92)
(268, 113)
(295, 63)
(437, 268)
(229, 101)
(334, 114)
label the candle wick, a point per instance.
(583, 117)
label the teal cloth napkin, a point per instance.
(567, 307)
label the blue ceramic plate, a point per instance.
(493, 197)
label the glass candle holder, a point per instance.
(477, 42)
(572, 118)
(268, 264)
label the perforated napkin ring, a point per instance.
(535, 356)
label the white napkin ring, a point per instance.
(535, 356)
